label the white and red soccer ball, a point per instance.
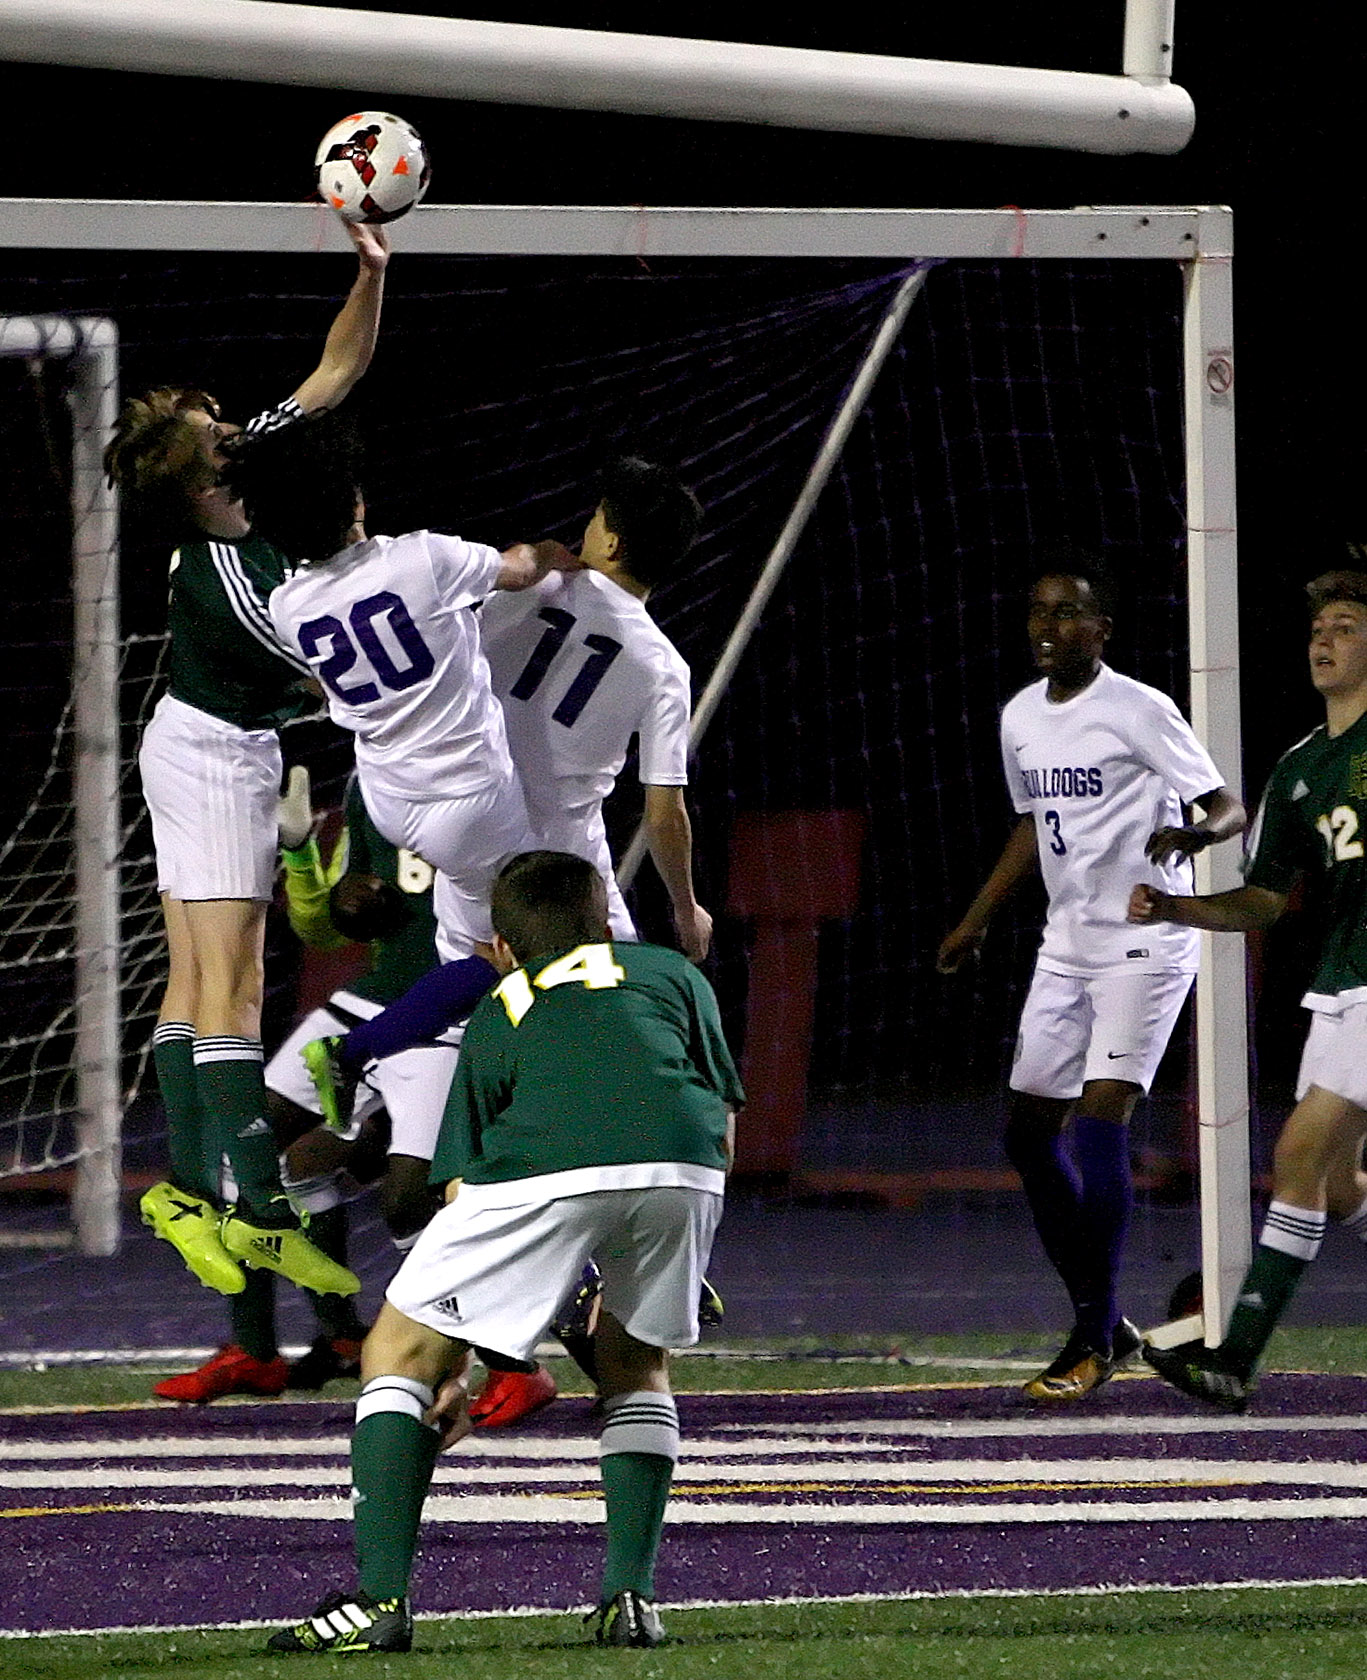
(371, 167)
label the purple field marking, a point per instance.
(110, 1568)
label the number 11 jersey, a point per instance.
(581, 667)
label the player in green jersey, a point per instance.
(1312, 823)
(210, 763)
(591, 1115)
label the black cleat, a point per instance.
(1081, 1368)
(328, 1358)
(628, 1620)
(1198, 1372)
(350, 1622)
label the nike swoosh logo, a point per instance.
(1116, 1055)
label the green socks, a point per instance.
(392, 1455)
(232, 1090)
(194, 1162)
(1290, 1240)
(639, 1445)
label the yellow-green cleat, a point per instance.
(191, 1225)
(334, 1085)
(287, 1251)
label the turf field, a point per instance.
(834, 1516)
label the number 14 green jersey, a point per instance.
(1313, 821)
(595, 1062)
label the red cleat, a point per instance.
(510, 1395)
(230, 1371)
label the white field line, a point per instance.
(514, 1448)
(502, 1508)
(866, 1436)
(1066, 1473)
(966, 1429)
(1107, 1590)
(174, 1358)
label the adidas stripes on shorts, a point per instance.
(211, 790)
(412, 1087)
(494, 1275)
(1076, 1028)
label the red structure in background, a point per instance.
(790, 871)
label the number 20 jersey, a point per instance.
(387, 627)
(581, 667)
(1100, 772)
(1313, 821)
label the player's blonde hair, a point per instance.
(156, 455)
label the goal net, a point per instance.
(1049, 382)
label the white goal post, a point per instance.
(89, 348)
(1197, 238)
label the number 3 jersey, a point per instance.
(1099, 773)
(387, 627)
(581, 667)
(1313, 821)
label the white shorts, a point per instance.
(466, 840)
(494, 1276)
(1110, 1026)
(211, 790)
(587, 838)
(411, 1087)
(1335, 1055)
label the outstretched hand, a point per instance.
(695, 932)
(372, 245)
(957, 947)
(1165, 843)
(450, 1410)
(1146, 904)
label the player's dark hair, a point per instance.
(1343, 585)
(363, 908)
(299, 486)
(655, 518)
(1062, 558)
(548, 901)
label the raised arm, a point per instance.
(1224, 817)
(351, 341)
(1239, 911)
(1019, 859)
(669, 835)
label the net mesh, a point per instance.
(1022, 402)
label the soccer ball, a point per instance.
(371, 167)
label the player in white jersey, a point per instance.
(386, 625)
(1099, 768)
(580, 667)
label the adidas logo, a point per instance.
(1299, 791)
(274, 1247)
(255, 1129)
(449, 1308)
